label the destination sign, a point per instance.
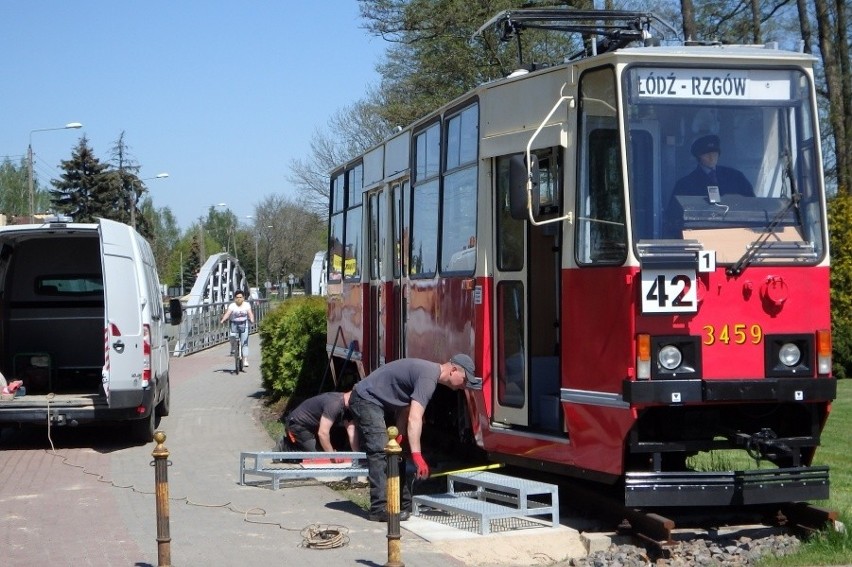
(712, 84)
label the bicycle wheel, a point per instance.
(240, 359)
(238, 355)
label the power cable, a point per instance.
(314, 536)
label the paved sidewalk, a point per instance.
(101, 511)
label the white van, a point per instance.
(82, 324)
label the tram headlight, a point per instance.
(789, 354)
(676, 357)
(669, 357)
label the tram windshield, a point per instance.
(726, 158)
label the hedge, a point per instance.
(292, 342)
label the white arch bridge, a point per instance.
(219, 277)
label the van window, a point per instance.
(75, 285)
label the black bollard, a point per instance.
(161, 486)
(393, 452)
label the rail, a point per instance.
(201, 329)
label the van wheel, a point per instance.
(164, 406)
(143, 429)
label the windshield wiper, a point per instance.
(795, 197)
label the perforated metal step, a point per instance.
(489, 496)
(289, 465)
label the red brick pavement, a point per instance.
(54, 514)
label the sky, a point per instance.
(219, 94)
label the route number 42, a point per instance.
(669, 291)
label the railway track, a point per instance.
(659, 532)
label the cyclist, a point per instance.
(241, 316)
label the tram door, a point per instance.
(526, 306)
(380, 300)
(400, 221)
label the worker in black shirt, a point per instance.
(313, 419)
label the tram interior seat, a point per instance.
(545, 393)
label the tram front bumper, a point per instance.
(692, 391)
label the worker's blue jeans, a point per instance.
(373, 436)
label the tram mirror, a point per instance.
(175, 311)
(518, 175)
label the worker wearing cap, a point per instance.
(708, 172)
(403, 387)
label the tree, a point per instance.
(126, 189)
(432, 59)
(833, 33)
(220, 226)
(83, 191)
(428, 65)
(192, 263)
(295, 237)
(840, 225)
(14, 191)
(690, 32)
(165, 239)
(350, 131)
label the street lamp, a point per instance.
(256, 238)
(256, 263)
(135, 197)
(69, 126)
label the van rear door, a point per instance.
(122, 313)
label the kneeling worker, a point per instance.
(313, 419)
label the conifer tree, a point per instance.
(14, 198)
(82, 191)
(192, 264)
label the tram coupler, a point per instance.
(766, 445)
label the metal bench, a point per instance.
(512, 496)
(290, 465)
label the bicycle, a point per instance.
(237, 350)
(237, 346)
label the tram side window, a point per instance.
(601, 234)
(335, 229)
(510, 232)
(352, 228)
(401, 222)
(376, 236)
(510, 312)
(458, 238)
(425, 202)
(647, 219)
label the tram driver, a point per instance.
(709, 180)
(708, 173)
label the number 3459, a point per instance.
(738, 334)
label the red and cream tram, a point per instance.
(623, 316)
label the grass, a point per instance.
(830, 547)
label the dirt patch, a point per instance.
(546, 547)
(269, 414)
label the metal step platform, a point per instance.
(289, 465)
(487, 496)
